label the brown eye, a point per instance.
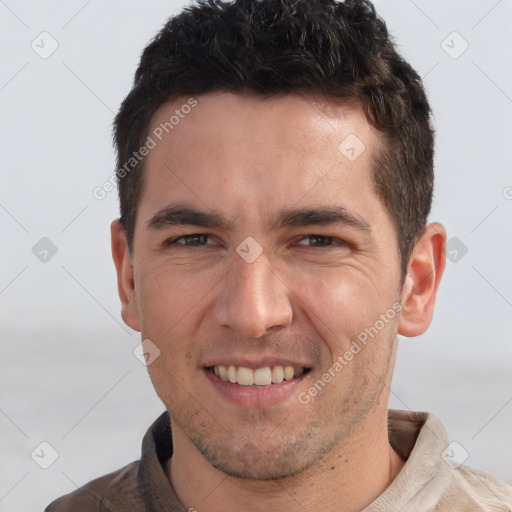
(194, 240)
(321, 241)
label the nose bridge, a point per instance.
(254, 299)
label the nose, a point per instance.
(254, 300)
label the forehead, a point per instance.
(251, 155)
(285, 121)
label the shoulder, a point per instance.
(431, 480)
(109, 493)
(478, 491)
(133, 488)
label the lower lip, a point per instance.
(255, 397)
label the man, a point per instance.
(275, 166)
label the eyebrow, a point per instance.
(186, 215)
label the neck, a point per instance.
(353, 474)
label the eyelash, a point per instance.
(334, 241)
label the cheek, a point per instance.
(172, 305)
(169, 293)
(338, 302)
(160, 307)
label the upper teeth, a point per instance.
(260, 377)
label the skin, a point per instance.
(304, 298)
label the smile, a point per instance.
(265, 376)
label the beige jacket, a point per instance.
(429, 481)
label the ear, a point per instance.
(125, 281)
(426, 266)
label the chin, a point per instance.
(268, 463)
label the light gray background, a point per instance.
(67, 372)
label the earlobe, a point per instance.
(125, 280)
(424, 272)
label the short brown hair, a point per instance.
(275, 47)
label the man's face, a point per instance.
(275, 285)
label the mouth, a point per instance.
(266, 376)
